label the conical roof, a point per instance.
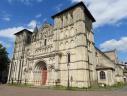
(35, 29)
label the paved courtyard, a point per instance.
(18, 91)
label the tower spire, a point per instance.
(35, 29)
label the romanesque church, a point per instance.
(64, 54)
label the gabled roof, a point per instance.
(23, 31)
(103, 54)
(78, 4)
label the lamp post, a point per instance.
(68, 80)
(68, 65)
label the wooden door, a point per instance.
(44, 76)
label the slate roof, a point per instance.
(74, 6)
(24, 30)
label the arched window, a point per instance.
(68, 57)
(102, 75)
(45, 42)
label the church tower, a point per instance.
(18, 60)
(73, 39)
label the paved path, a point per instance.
(123, 90)
(18, 91)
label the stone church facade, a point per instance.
(63, 53)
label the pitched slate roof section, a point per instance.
(24, 30)
(78, 4)
(110, 51)
(101, 67)
(103, 54)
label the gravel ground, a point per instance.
(18, 91)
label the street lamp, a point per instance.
(68, 64)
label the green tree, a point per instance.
(4, 61)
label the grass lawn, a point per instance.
(93, 88)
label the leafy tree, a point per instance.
(4, 61)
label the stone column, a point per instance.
(57, 69)
(9, 74)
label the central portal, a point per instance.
(40, 73)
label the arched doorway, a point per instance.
(40, 73)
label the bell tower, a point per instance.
(73, 34)
(18, 61)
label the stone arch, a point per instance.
(40, 73)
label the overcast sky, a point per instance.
(110, 26)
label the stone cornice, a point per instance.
(51, 54)
(76, 69)
(71, 37)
